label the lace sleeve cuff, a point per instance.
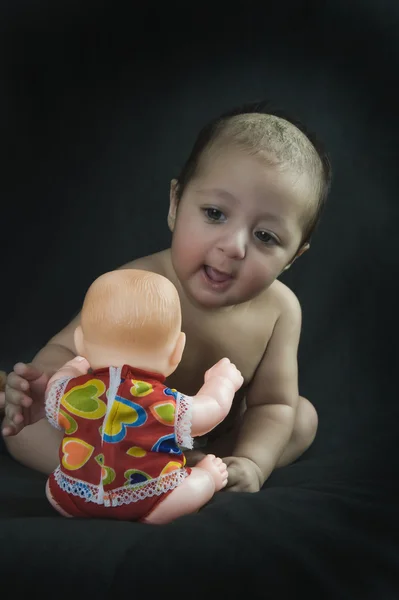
(53, 400)
(183, 421)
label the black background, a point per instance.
(99, 107)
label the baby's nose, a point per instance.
(234, 245)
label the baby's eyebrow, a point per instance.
(278, 220)
(267, 216)
(226, 195)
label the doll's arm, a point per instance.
(213, 401)
(73, 368)
(57, 384)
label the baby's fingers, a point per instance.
(26, 371)
(7, 428)
(13, 423)
(233, 479)
(17, 398)
(16, 382)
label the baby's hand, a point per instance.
(24, 398)
(243, 475)
(3, 377)
(225, 368)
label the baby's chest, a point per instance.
(243, 344)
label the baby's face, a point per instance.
(238, 224)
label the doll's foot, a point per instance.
(216, 468)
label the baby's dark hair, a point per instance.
(284, 140)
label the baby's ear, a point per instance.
(302, 249)
(173, 203)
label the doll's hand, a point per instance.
(224, 368)
(243, 475)
(23, 398)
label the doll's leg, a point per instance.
(208, 477)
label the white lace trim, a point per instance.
(183, 421)
(122, 495)
(53, 400)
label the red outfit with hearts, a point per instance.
(121, 452)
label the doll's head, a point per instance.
(131, 317)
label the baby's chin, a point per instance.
(209, 300)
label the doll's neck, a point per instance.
(99, 359)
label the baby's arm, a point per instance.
(213, 401)
(272, 397)
(26, 386)
(37, 446)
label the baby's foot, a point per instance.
(216, 468)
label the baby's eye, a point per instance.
(214, 214)
(266, 238)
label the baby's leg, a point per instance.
(36, 446)
(304, 432)
(208, 477)
(305, 428)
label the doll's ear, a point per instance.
(79, 341)
(173, 203)
(177, 353)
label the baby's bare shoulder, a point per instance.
(283, 296)
(282, 299)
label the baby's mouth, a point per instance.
(217, 276)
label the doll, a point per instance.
(125, 431)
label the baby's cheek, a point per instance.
(184, 251)
(258, 279)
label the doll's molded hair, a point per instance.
(130, 308)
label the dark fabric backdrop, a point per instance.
(99, 106)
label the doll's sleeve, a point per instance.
(183, 421)
(53, 399)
